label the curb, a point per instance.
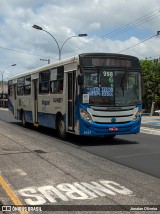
(4, 109)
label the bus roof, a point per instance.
(68, 61)
(45, 67)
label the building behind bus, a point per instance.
(4, 95)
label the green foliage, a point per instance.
(151, 77)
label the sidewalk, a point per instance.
(4, 109)
(151, 119)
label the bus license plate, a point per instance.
(113, 129)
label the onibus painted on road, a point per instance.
(91, 94)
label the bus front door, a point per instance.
(71, 100)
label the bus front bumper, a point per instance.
(94, 129)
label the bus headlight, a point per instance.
(137, 115)
(85, 115)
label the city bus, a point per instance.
(91, 94)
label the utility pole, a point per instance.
(48, 60)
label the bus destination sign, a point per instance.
(106, 62)
(111, 62)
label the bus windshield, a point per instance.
(111, 87)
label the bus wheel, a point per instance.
(23, 119)
(61, 128)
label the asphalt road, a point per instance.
(140, 152)
(37, 168)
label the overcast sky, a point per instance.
(112, 26)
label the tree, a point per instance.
(151, 77)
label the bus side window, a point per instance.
(27, 87)
(44, 78)
(20, 91)
(20, 88)
(56, 84)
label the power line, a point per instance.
(10, 49)
(147, 17)
(127, 27)
(138, 43)
(152, 15)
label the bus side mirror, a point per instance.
(80, 80)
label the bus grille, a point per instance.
(103, 115)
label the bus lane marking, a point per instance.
(11, 194)
(72, 191)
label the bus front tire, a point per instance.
(61, 128)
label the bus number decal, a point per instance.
(87, 132)
(57, 100)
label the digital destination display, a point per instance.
(109, 62)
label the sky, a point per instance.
(117, 26)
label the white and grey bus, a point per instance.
(91, 94)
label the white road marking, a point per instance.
(19, 171)
(139, 154)
(151, 131)
(74, 191)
